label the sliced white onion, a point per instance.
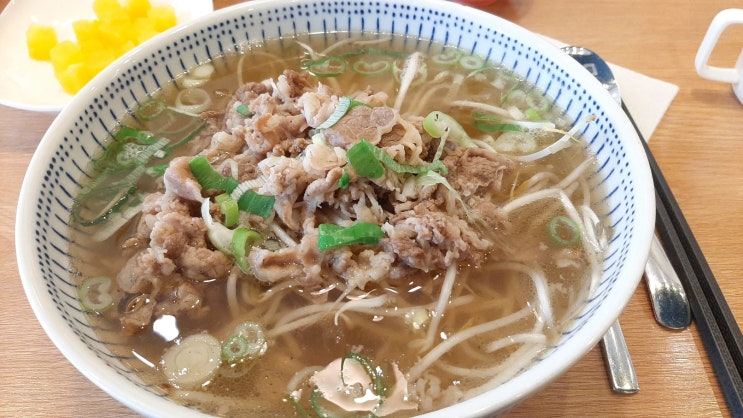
(193, 100)
(202, 71)
(193, 361)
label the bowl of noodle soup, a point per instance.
(329, 207)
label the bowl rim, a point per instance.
(512, 392)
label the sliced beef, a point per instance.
(180, 181)
(301, 263)
(361, 122)
(428, 239)
(472, 170)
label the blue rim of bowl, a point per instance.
(94, 111)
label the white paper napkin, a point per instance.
(647, 98)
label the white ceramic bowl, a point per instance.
(51, 182)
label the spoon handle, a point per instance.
(670, 305)
(619, 362)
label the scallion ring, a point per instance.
(371, 68)
(95, 294)
(563, 231)
(447, 57)
(243, 240)
(247, 342)
(367, 159)
(327, 67)
(235, 348)
(228, 207)
(331, 235)
(150, 109)
(472, 62)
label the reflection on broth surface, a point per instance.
(326, 226)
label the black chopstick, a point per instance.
(717, 326)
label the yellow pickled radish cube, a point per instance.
(137, 8)
(73, 77)
(108, 9)
(65, 54)
(86, 31)
(116, 31)
(162, 17)
(40, 39)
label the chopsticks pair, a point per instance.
(717, 326)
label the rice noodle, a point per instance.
(360, 303)
(438, 312)
(525, 338)
(539, 280)
(409, 70)
(283, 235)
(576, 173)
(232, 292)
(427, 360)
(482, 106)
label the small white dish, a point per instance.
(29, 84)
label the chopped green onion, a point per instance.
(142, 137)
(256, 203)
(247, 342)
(362, 158)
(247, 200)
(235, 348)
(332, 66)
(345, 104)
(244, 110)
(135, 154)
(157, 170)
(371, 68)
(563, 231)
(533, 114)
(331, 235)
(228, 207)
(437, 123)
(365, 158)
(208, 178)
(496, 127)
(95, 294)
(219, 235)
(375, 373)
(447, 57)
(151, 109)
(96, 203)
(243, 240)
(471, 62)
(344, 180)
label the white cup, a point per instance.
(733, 76)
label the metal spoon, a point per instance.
(622, 374)
(670, 305)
